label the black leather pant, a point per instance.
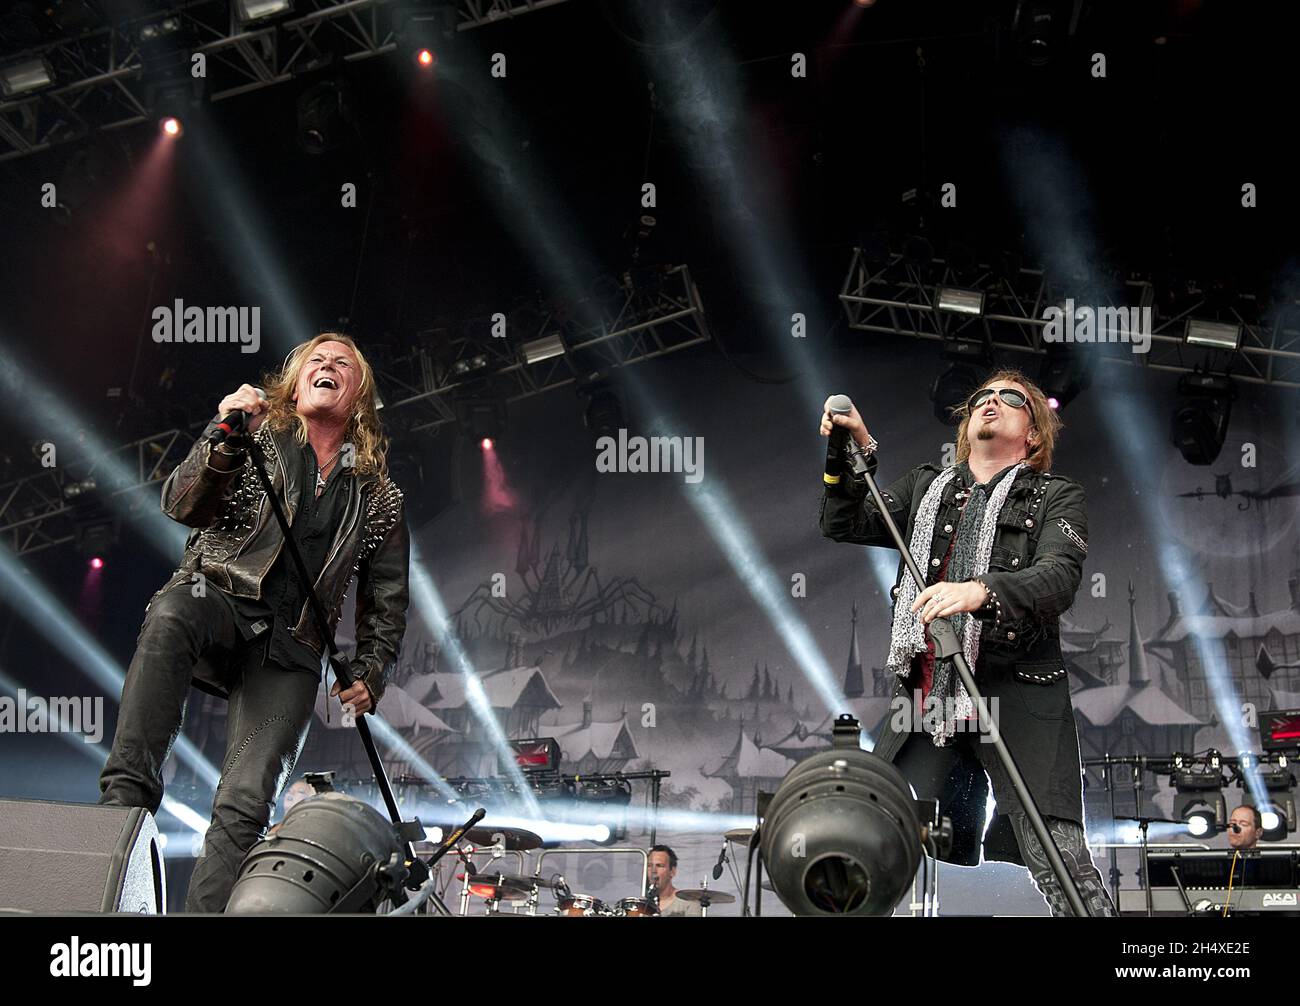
(954, 776)
(266, 725)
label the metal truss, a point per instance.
(654, 313)
(36, 511)
(899, 298)
(102, 78)
(477, 13)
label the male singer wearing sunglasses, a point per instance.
(1002, 541)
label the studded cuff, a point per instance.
(992, 606)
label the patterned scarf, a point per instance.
(975, 533)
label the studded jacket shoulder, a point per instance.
(235, 540)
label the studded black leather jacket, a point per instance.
(1035, 568)
(236, 539)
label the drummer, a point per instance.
(662, 865)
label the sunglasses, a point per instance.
(1008, 396)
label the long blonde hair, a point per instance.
(1043, 421)
(364, 431)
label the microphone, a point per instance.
(722, 858)
(234, 424)
(837, 443)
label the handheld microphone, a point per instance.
(234, 424)
(837, 443)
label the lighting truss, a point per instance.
(894, 297)
(100, 81)
(642, 323)
(639, 325)
(35, 513)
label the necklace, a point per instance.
(320, 472)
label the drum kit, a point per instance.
(499, 889)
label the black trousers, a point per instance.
(266, 725)
(955, 777)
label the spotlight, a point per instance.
(1212, 334)
(483, 420)
(1198, 793)
(155, 30)
(960, 301)
(332, 853)
(25, 76)
(425, 58)
(841, 835)
(1200, 422)
(968, 364)
(546, 348)
(1278, 810)
(603, 414)
(76, 490)
(261, 10)
(96, 563)
(327, 116)
(1064, 372)
(469, 364)
(171, 125)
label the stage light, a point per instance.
(841, 835)
(171, 125)
(327, 116)
(546, 348)
(1212, 334)
(486, 443)
(25, 77)
(954, 386)
(82, 487)
(1278, 806)
(603, 412)
(332, 853)
(1053, 403)
(1198, 789)
(96, 562)
(960, 301)
(1064, 372)
(425, 58)
(1200, 422)
(482, 420)
(261, 10)
(155, 30)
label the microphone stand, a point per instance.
(946, 645)
(417, 869)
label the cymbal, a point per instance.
(700, 894)
(513, 839)
(739, 834)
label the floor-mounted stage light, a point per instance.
(332, 853)
(1200, 423)
(1198, 798)
(841, 835)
